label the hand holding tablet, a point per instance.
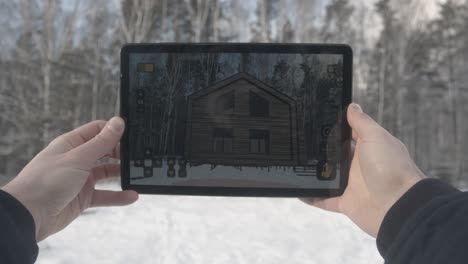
(381, 172)
(236, 119)
(243, 119)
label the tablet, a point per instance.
(236, 119)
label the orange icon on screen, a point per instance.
(145, 67)
(327, 171)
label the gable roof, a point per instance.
(242, 76)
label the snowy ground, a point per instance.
(187, 229)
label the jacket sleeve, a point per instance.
(17, 232)
(428, 224)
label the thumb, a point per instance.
(362, 124)
(104, 142)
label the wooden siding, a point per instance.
(281, 123)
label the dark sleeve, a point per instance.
(428, 224)
(17, 232)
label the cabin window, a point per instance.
(225, 103)
(222, 140)
(259, 106)
(259, 141)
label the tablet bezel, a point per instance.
(340, 49)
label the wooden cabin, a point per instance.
(241, 121)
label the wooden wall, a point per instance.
(281, 123)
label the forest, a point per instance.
(59, 62)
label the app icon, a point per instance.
(145, 67)
(327, 171)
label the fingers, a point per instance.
(106, 197)
(115, 153)
(327, 204)
(76, 137)
(362, 125)
(105, 171)
(102, 142)
(113, 198)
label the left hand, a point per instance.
(58, 184)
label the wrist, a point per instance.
(414, 199)
(11, 189)
(404, 186)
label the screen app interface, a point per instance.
(235, 119)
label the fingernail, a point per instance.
(117, 125)
(356, 107)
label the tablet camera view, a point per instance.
(235, 119)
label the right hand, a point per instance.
(381, 172)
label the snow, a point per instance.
(205, 175)
(191, 229)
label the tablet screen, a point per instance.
(235, 119)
